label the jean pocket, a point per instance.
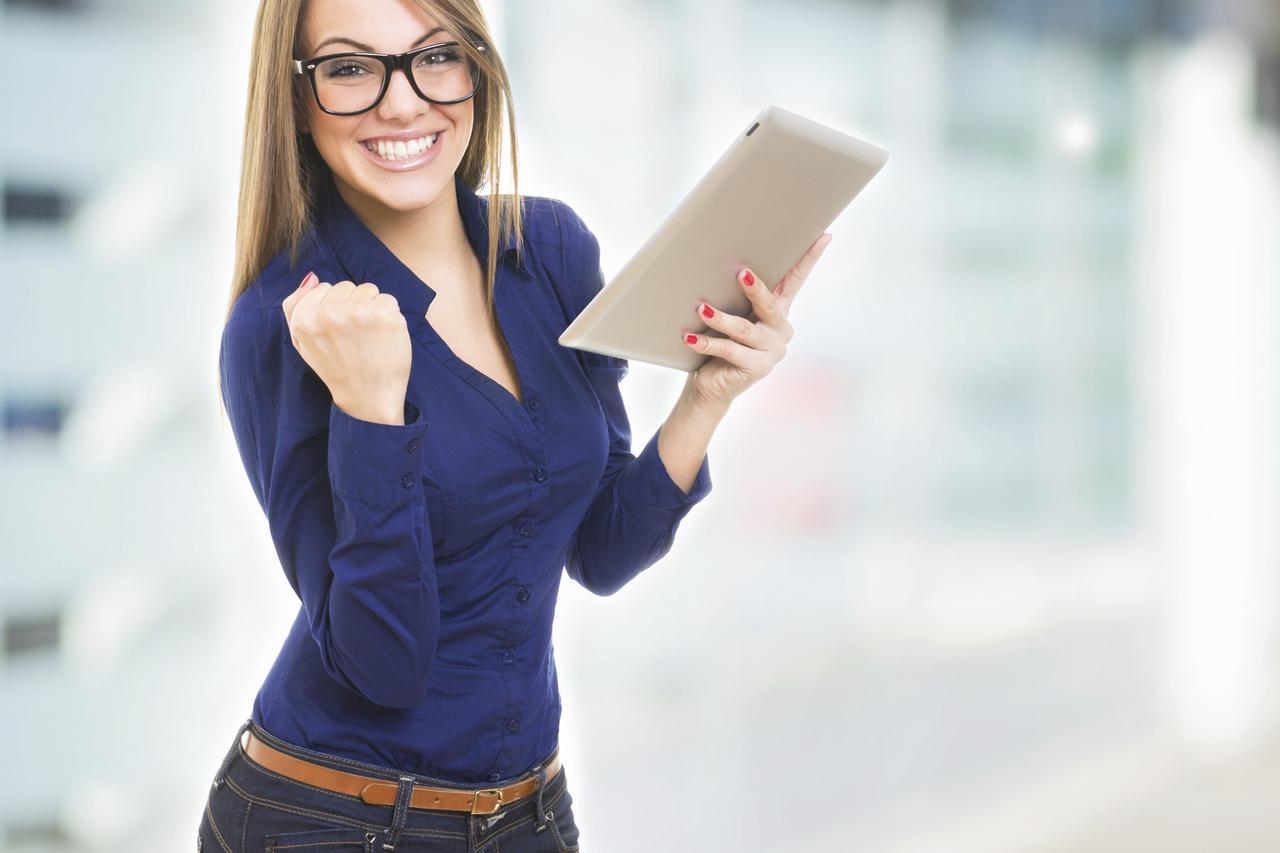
(222, 821)
(561, 823)
(317, 840)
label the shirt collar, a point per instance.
(364, 257)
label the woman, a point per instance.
(427, 456)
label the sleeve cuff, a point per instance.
(377, 463)
(659, 502)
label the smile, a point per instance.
(400, 150)
(402, 155)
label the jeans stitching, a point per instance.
(511, 827)
(217, 833)
(555, 829)
(244, 830)
(267, 771)
(320, 815)
(345, 821)
(419, 832)
(560, 842)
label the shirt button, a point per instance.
(407, 481)
(526, 529)
(513, 724)
(413, 445)
(508, 656)
(523, 594)
(495, 776)
(535, 403)
(540, 474)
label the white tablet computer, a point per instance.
(780, 184)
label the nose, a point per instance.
(400, 100)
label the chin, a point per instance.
(402, 193)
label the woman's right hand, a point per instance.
(357, 342)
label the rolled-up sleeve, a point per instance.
(345, 506)
(637, 508)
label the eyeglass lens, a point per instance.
(351, 83)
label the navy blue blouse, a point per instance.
(427, 557)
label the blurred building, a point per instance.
(990, 564)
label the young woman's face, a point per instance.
(383, 26)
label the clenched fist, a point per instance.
(356, 340)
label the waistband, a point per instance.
(289, 761)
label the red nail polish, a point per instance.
(690, 339)
(707, 311)
(747, 278)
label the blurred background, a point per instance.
(991, 560)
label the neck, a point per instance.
(431, 238)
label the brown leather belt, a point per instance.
(381, 792)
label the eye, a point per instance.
(345, 69)
(439, 57)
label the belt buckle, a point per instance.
(488, 809)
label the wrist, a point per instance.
(700, 408)
(374, 411)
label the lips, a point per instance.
(403, 135)
(410, 162)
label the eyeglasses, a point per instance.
(347, 84)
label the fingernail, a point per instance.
(707, 310)
(305, 279)
(747, 278)
(690, 339)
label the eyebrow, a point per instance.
(358, 46)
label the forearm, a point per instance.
(686, 434)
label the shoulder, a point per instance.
(550, 222)
(280, 276)
(255, 339)
(553, 224)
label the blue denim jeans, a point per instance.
(251, 808)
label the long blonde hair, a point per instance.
(280, 167)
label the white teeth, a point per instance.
(400, 149)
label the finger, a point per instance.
(339, 291)
(748, 358)
(795, 279)
(734, 327)
(366, 291)
(308, 281)
(765, 304)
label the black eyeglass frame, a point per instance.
(390, 62)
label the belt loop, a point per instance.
(539, 819)
(404, 793)
(231, 753)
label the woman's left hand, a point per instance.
(750, 348)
